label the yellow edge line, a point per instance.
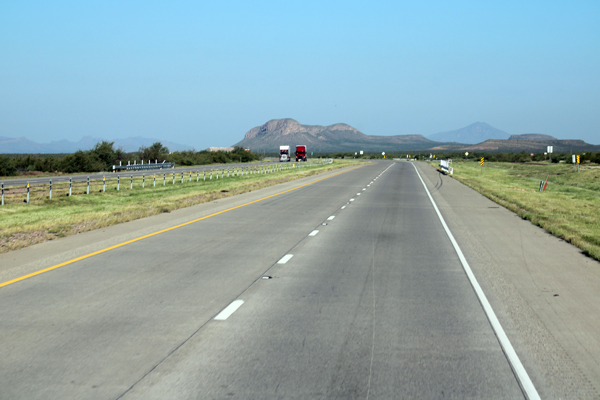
(162, 231)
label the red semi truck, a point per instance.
(300, 153)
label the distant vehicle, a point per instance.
(284, 153)
(300, 153)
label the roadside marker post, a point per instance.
(482, 165)
(173, 178)
(154, 180)
(104, 184)
(50, 189)
(578, 162)
(88, 185)
(118, 182)
(131, 183)
(143, 181)
(2, 193)
(70, 187)
(27, 192)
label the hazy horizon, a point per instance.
(203, 74)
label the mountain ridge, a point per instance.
(22, 145)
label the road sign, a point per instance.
(482, 161)
(578, 159)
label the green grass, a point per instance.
(23, 224)
(568, 208)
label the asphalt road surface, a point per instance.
(340, 286)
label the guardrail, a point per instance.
(44, 192)
(142, 167)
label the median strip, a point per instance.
(164, 230)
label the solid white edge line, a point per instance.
(285, 259)
(510, 352)
(313, 233)
(230, 309)
(330, 218)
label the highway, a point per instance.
(345, 285)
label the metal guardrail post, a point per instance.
(50, 189)
(27, 192)
(88, 185)
(70, 187)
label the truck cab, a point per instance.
(301, 153)
(284, 153)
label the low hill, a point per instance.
(474, 133)
(331, 138)
(534, 146)
(532, 136)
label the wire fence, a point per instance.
(41, 193)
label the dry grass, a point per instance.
(568, 208)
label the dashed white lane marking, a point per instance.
(330, 218)
(364, 188)
(230, 309)
(313, 233)
(509, 350)
(351, 199)
(343, 207)
(285, 259)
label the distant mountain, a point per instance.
(532, 136)
(23, 145)
(474, 133)
(332, 138)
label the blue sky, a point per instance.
(204, 73)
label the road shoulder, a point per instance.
(544, 290)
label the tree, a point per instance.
(104, 153)
(155, 152)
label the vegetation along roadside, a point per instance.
(568, 208)
(23, 225)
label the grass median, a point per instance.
(568, 208)
(22, 225)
